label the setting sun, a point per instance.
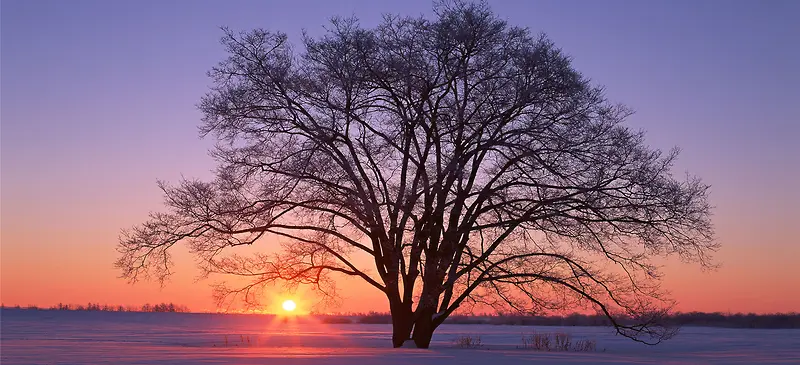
(289, 305)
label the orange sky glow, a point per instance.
(69, 260)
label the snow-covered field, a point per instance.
(53, 337)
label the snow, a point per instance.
(56, 337)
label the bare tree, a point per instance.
(465, 157)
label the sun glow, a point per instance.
(289, 305)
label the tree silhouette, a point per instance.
(465, 157)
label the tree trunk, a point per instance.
(401, 322)
(423, 328)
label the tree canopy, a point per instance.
(466, 157)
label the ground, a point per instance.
(60, 337)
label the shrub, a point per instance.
(556, 342)
(585, 346)
(563, 342)
(468, 341)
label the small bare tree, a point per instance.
(464, 156)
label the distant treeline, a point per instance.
(161, 307)
(737, 320)
(717, 319)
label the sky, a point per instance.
(98, 102)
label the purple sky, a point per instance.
(98, 101)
